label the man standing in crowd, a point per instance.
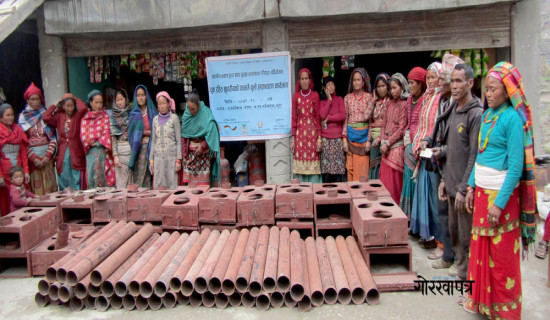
(458, 153)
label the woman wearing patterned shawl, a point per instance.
(139, 133)
(200, 143)
(375, 113)
(391, 141)
(42, 142)
(424, 215)
(306, 140)
(502, 196)
(417, 85)
(356, 125)
(119, 139)
(95, 134)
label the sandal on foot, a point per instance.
(542, 250)
(428, 244)
(462, 300)
(436, 254)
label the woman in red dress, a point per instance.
(306, 141)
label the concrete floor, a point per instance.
(17, 302)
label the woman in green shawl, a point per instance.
(200, 143)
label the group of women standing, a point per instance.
(86, 147)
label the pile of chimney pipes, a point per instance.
(125, 266)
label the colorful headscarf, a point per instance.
(384, 77)
(435, 67)
(203, 124)
(399, 78)
(32, 90)
(366, 80)
(311, 84)
(449, 62)
(509, 75)
(135, 128)
(170, 100)
(91, 95)
(418, 74)
(120, 118)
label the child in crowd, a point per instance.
(20, 197)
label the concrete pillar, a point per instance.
(528, 33)
(278, 157)
(53, 64)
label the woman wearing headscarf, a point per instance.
(42, 142)
(306, 139)
(502, 196)
(139, 133)
(424, 216)
(119, 139)
(165, 158)
(417, 84)
(95, 134)
(200, 143)
(70, 162)
(13, 152)
(333, 114)
(375, 113)
(391, 136)
(356, 125)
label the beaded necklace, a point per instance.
(493, 120)
(305, 95)
(361, 97)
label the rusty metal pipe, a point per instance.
(51, 272)
(201, 281)
(258, 265)
(283, 263)
(277, 299)
(169, 300)
(116, 302)
(182, 300)
(369, 286)
(305, 303)
(76, 304)
(248, 300)
(129, 302)
(63, 269)
(235, 299)
(357, 293)
(228, 283)
(53, 291)
(245, 268)
(81, 288)
(208, 299)
(121, 286)
(108, 286)
(195, 299)
(315, 282)
(296, 267)
(262, 301)
(89, 302)
(183, 269)
(117, 258)
(329, 288)
(94, 291)
(289, 302)
(215, 282)
(340, 279)
(163, 282)
(141, 303)
(133, 287)
(270, 272)
(41, 299)
(187, 283)
(62, 239)
(65, 293)
(102, 303)
(221, 300)
(155, 302)
(146, 286)
(43, 286)
(96, 256)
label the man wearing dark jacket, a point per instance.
(459, 150)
